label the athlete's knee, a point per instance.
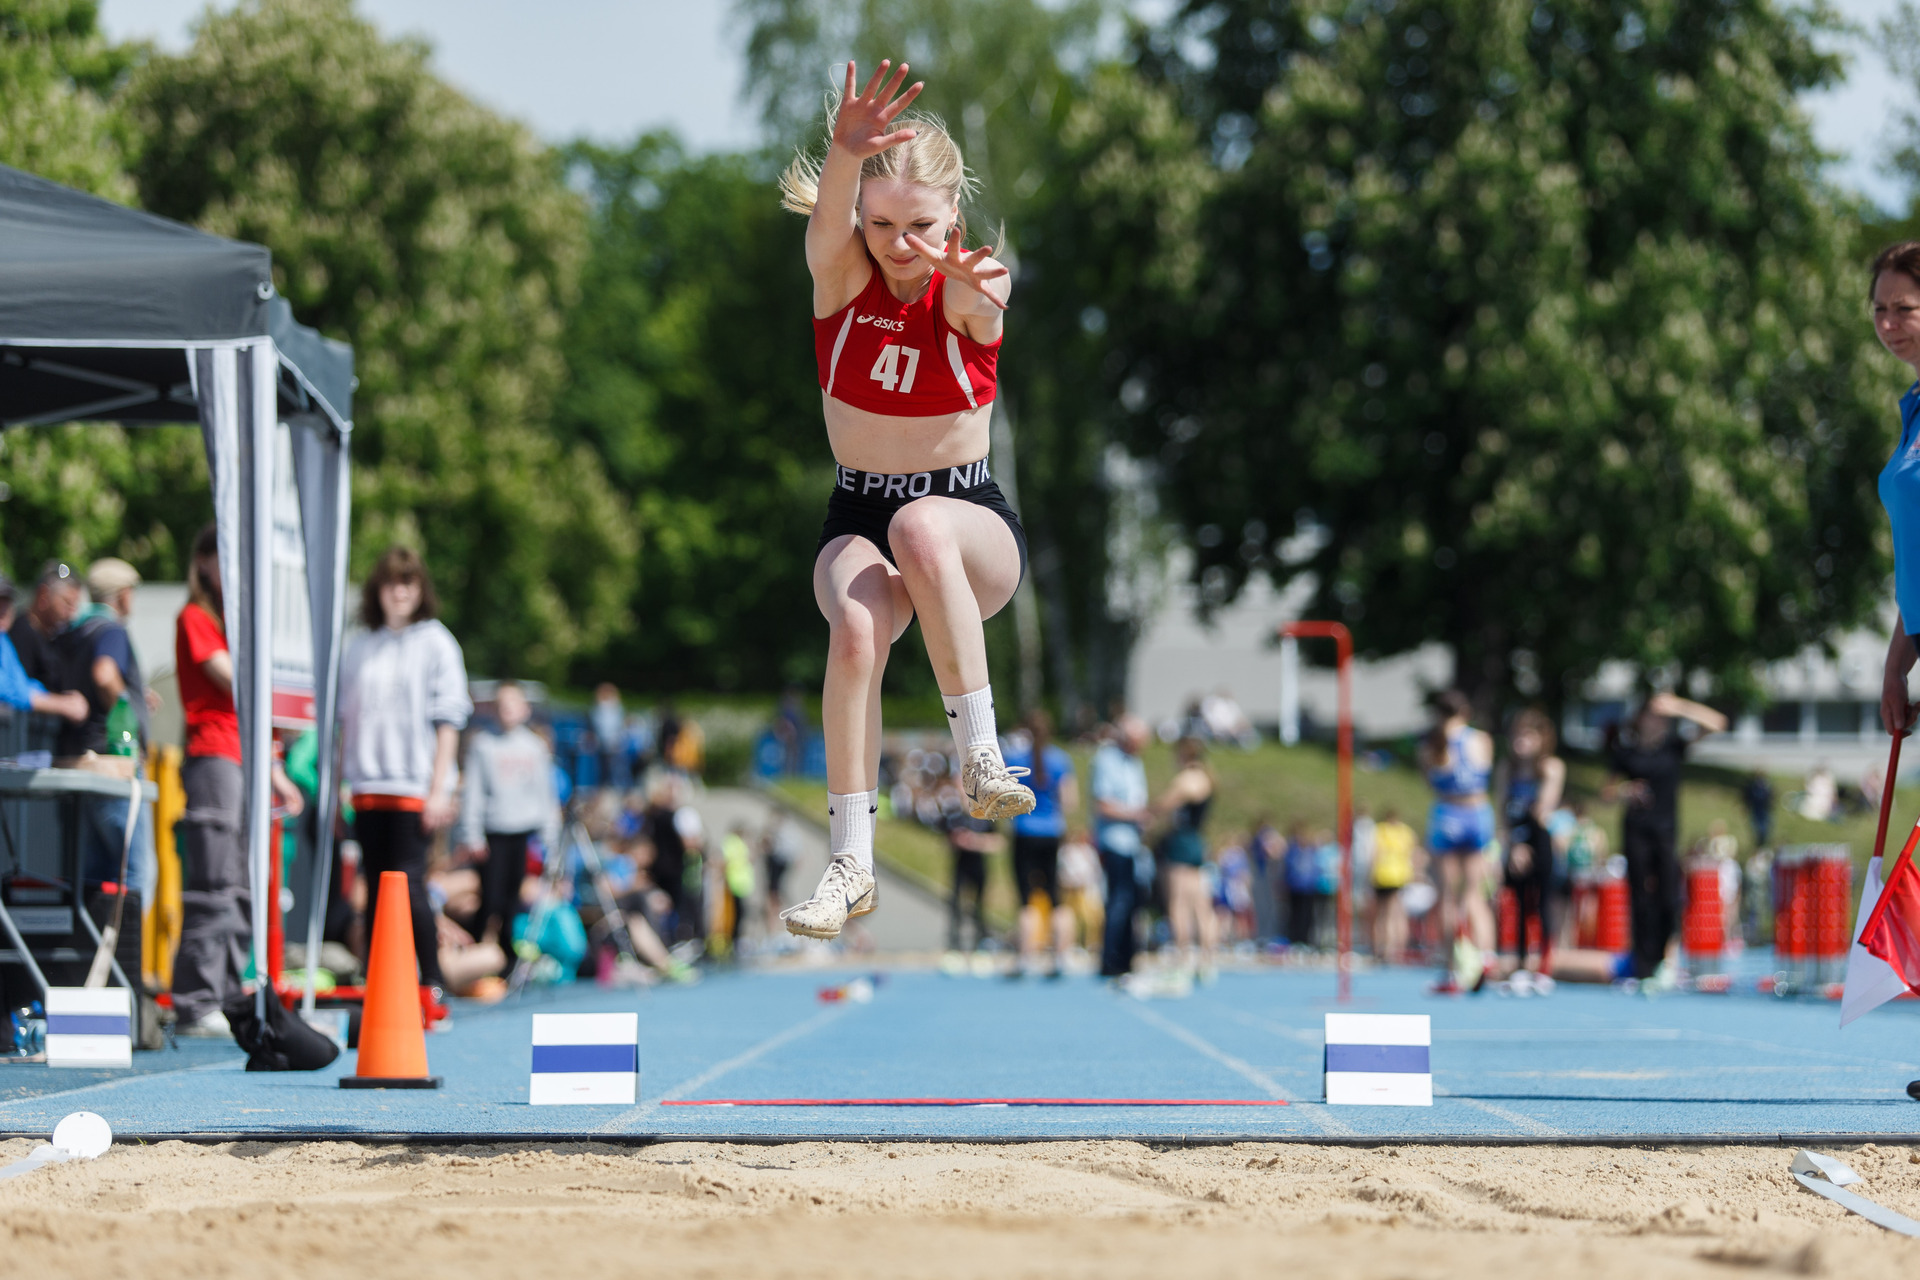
(921, 538)
(853, 637)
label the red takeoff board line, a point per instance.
(968, 1102)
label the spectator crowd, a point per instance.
(537, 847)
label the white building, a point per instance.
(1823, 710)
(1178, 659)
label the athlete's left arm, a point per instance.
(1667, 704)
(1480, 749)
(1553, 784)
(988, 284)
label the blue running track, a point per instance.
(1583, 1064)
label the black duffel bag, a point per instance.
(282, 1043)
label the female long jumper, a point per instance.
(907, 336)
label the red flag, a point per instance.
(1893, 930)
(1895, 935)
(1885, 958)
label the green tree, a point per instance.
(84, 491)
(1536, 320)
(58, 75)
(87, 490)
(440, 241)
(1900, 43)
(691, 363)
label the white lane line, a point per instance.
(1239, 1066)
(721, 1068)
(1525, 1124)
(1301, 1035)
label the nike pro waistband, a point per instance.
(947, 482)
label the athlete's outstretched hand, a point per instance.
(861, 126)
(971, 269)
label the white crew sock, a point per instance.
(850, 823)
(970, 716)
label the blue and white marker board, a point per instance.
(1379, 1059)
(585, 1058)
(89, 1027)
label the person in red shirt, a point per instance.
(216, 899)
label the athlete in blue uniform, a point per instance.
(1458, 760)
(1896, 319)
(1895, 292)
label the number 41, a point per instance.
(886, 370)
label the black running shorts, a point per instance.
(864, 502)
(1036, 867)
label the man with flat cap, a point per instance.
(104, 660)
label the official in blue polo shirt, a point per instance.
(1896, 320)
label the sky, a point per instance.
(608, 69)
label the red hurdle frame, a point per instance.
(1343, 819)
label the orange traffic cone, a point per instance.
(393, 1039)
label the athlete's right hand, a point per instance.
(1896, 712)
(861, 126)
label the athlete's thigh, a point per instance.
(851, 573)
(1473, 872)
(1182, 882)
(987, 549)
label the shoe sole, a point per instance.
(862, 906)
(1010, 805)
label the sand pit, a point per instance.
(851, 1211)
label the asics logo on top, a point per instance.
(881, 322)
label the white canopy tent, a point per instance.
(109, 314)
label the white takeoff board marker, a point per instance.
(585, 1058)
(89, 1027)
(1379, 1059)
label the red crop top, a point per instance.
(902, 359)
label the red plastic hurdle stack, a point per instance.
(1600, 917)
(1612, 927)
(1703, 928)
(1507, 916)
(1813, 896)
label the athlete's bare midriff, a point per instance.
(868, 441)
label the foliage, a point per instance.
(1537, 319)
(439, 239)
(81, 492)
(1529, 327)
(57, 75)
(691, 375)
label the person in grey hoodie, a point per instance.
(403, 702)
(508, 796)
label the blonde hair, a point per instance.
(929, 159)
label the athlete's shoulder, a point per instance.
(852, 286)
